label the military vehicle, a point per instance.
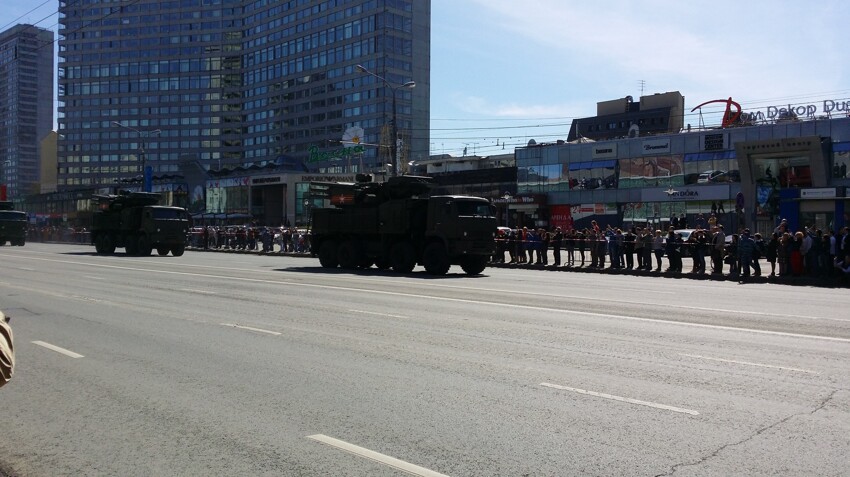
(13, 225)
(397, 224)
(135, 221)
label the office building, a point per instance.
(231, 84)
(783, 161)
(26, 105)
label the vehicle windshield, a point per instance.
(474, 208)
(12, 215)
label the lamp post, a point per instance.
(394, 89)
(146, 171)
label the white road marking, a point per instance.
(376, 313)
(376, 456)
(57, 349)
(93, 278)
(202, 292)
(475, 302)
(623, 399)
(259, 330)
(27, 269)
(747, 363)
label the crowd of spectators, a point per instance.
(56, 233)
(809, 252)
(251, 238)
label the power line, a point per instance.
(25, 14)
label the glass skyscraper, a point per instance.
(26, 105)
(232, 83)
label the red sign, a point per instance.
(561, 216)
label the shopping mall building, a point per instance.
(781, 162)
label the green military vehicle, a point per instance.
(397, 224)
(13, 225)
(135, 221)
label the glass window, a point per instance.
(840, 161)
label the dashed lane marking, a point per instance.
(376, 456)
(250, 328)
(58, 349)
(379, 314)
(747, 363)
(622, 399)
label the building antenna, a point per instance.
(642, 84)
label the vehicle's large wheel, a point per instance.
(131, 246)
(178, 250)
(162, 250)
(474, 264)
(98, 244)
(348, 254)
(383, 263)
(435, 259)
(144, 247)
(107, 244)
(403, 257)
(327, 254)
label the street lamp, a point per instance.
(146, 172)
(393, 88)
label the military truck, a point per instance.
(397, 224)
(135, 221)
(13, 225)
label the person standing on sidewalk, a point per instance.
(658, 248)
(718, 247)
(746, 251)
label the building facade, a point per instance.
(26, 105)
(749, 176)
(231, 83)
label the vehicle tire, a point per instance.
(144, 246)
(348, 255)
(107, 244)
(22, 242)
(327, 254)
(403, 257)
(383, 263)
(178, 250)
(162, 250)
(474, 264)
(366, 262)
(131, 246)
(98, 244)
(435, 259)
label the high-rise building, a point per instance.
(235, 82)
(26, 105)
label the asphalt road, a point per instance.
(222, 364)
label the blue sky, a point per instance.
(508, 71)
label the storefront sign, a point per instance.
(341, 153)
(604, 151)
(656, 146)
(327, 178)
(266, 180)
(684, 194)
(533, 199)
(561, 216)
(818, 193)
